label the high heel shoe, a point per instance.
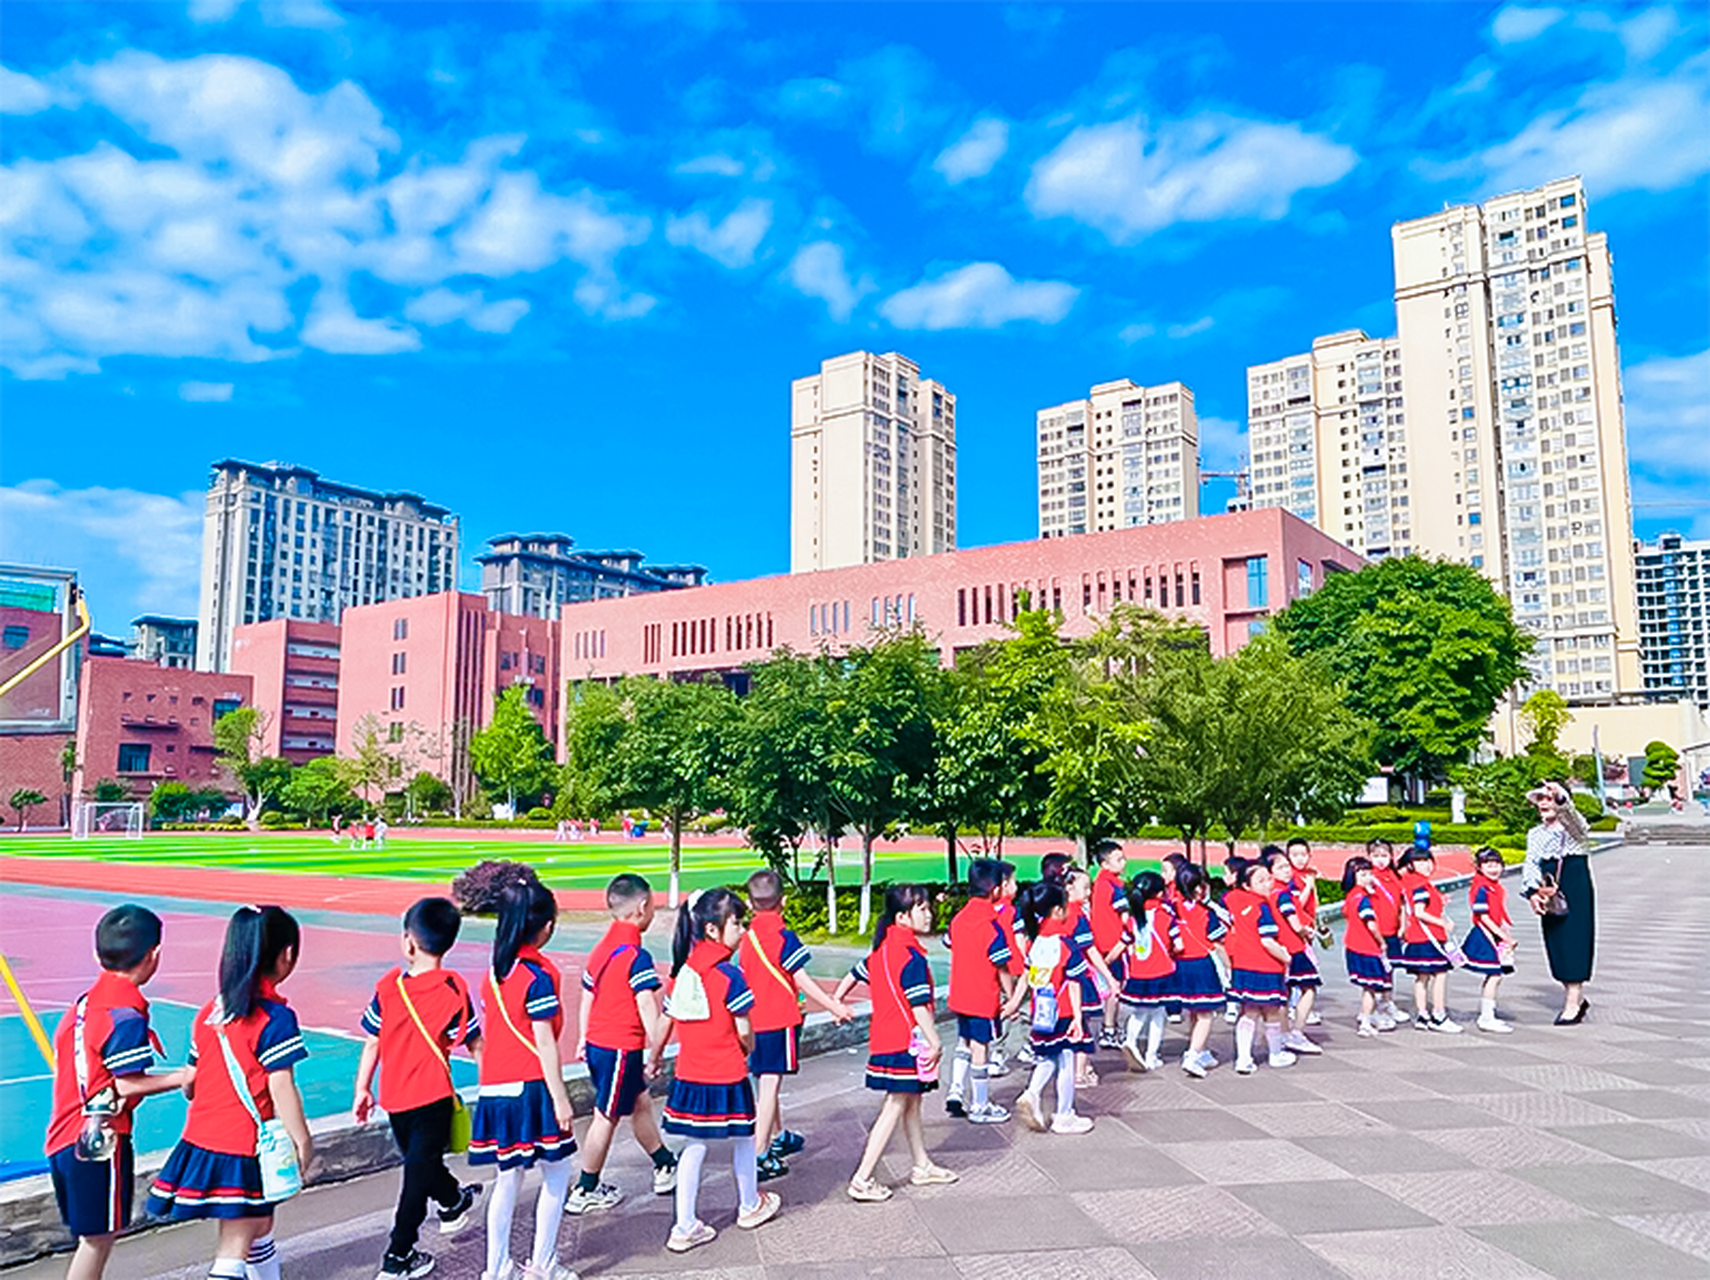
(1562, 1020)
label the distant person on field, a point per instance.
(628, 826)
(380, 829)
(419, 1013)
(103, 1049)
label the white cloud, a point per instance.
(716, 163)
(205, 392)
(1518, 23)
(256, 193)
(819, 271)
(443, 306)
(317, 15)
(1191, 327)
(1667, 400)
(212, 11)
(1128, 178)
(23, 95)
(981, 295)
(976, 152)
(1139, 331)
(731, 242)
(135, 552)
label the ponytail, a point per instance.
(255, 939)
(1037, 902)
(1351, 872)
(1147, 886)
(708, 909)
(525, 908)
(900, 899)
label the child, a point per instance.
(103, 1049)
(1294, 931)
(711, 1098)
(1425, 938)
(1363, 945)
(1149, 969)
(1303, 884)
(618, 1019)
(1003, 907)
(1107, 913)
(1098, 981)
(1197, 987)
(1490, 942)
(1055, 966)
(1258, 963)
(417, 1015)
(774, 965)
(902, 1038)
(246, 1039)
(1390, 903)
(1170, 866)
(522, 1116)
(982, 992)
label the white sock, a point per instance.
(1131, 1032)
(980, 1089)
(689, 1164)
(1066, 1087)
(263, 1260)
(747, 1176)
(1155, 1019)
(959, 1073)
(1273, 1038)
(549, 1212)
(1246, 1031)
(1487, 1008)
(1042, 1071)
(501, 1208)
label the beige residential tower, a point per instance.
(1124, 455)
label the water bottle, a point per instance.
(918, 1046)
(97, 1140)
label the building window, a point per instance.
(395, 731)
(133, 757)
(16, 637)
(1302, 578)
(224, 705)
(397, 664)
(397, 703)
(400, 629)
(1258, 582)
(1193, 586)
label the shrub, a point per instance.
(476, 891)
(804, 907)
(1607, 822)
(539, 814)
(274, 818)
(1589, 806)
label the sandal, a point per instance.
(868, 1192)
(932, 1175)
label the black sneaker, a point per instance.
(768, 1167)
(461, 1215)
(954, 1108)
(415, 1263)
(787, 1143)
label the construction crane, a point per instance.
(1243, 498)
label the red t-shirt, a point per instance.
(899, 981)
(1109, 910)
(771, 971)
(265, 1041)
(1250, 920)
(1489, 902)
(1155, 937)
(117, 1041)
(1005, 913)
(1363, 936)
(1387, 902)
(618, 968)
(529, 994)
(1290, 926)
(1422, 895)
(1199, 928)
(979, 952)
(1305, 887)
(414, 1073)
(1068, 967)
(709, 1049)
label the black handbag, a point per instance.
(1550, 888)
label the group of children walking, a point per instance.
(1068, 955)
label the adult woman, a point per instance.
(1557, 867)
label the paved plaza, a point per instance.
(1551, 1152)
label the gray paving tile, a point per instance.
(1219, 1258)
(1226, 1088)
(1590, 1250)
(1263, 1160)
(1616, 1188)
(1199, 1212)
(1010, 1170)
(1462, 1079)
(1694, 1171)
(1541, 1110)
(1487, 1052)
(1375, 1087)
(1069, 1169)
(1650, 1104)
(1441, 1253)
(1688, 1232)
(1566, 1077)
(859, 1268)
(1001, 1224)
(1438, 1113)
(1635, 1140)
(1475, 1197)
(1328, 1206)
(1394, 1152)
(1107, 1263)
(1203, 1125)
(1309, 1119)
(840, 1228)
(1496, 1147)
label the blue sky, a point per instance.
(554, 265)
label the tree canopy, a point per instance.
(512, 754)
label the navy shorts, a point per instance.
(776, 1053)
(977, 1030)
(618, 1080)
(95, 1197)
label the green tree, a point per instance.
(428, 793)
(1662, 764)
(674, 756)
(110, 791)
(171, 802)
(238, 746)
(23, 800)
(1425, 649)
(593, 725)
(1499, 787)
(512, 754)
(1545, 714)
(322, 787)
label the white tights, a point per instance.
(1062, 1065)
(548, 1214)
(1149, 1020)
(693, 1159)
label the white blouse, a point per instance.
(1547, 843)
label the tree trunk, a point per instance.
(866, 877)
(830, 883)
(950, 853)
(676, 853)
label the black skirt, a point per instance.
(1570, 940)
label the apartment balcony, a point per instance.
(149, 720)
(304, 665)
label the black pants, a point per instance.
(421, 1134)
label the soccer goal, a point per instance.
(112, 818)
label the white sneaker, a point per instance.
(1026, 1057)
(1383, 1022)
(1193, 1066)
(604, 1196)
(1207, 1059)
(997, 1067)
(1071, 1123)
(1245, 1066)
(1297, 1041)
(1175, 1017)
(1154, 1064)
(1283, 1058)
(664, 1180)
(683, 1241)
(557, 1271)
(1447, 1025)
(1231, 1014)
(1495, 1024)
(1030, 1110)
(1367, 1029)
(991, 1113)
(1313, 1019)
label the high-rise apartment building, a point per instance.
(1673, 580)
(537, 574)
(280, 542)
(872, 463)
(1327, 440)
(1124, 455)
(1489, 430)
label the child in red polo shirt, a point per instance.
(1295, 928)
(244, 1037)
(1003, 907)
(1108, 913)
(1490, 942)
(1258, 963)
(1150, 964)
(103, 1049)
(618, 1020)
(903, 1049)
(983, 993)
(418, 1014)
(711, 1098)
(774, 965)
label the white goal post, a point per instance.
(112, 818)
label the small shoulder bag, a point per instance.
(462, 1127)
(275, 1152)
(1549, 889)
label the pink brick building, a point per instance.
(145, 724)
(294, 665)
(1227, 573)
